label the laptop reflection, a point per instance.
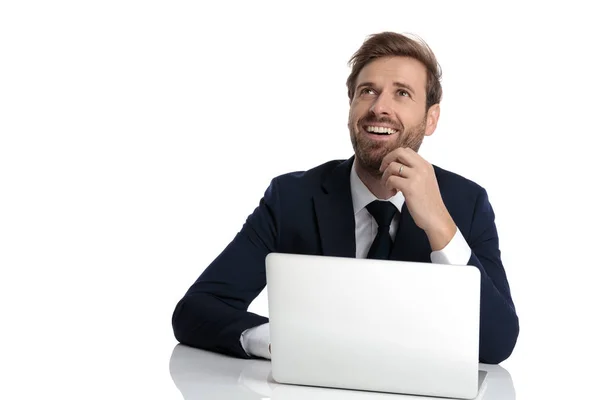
(200, 374)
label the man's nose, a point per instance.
(382, 105)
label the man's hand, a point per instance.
(418, 184)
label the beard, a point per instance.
(370, 153)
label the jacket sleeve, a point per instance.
(213, 313)
(499, 324)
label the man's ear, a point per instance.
(433, 115)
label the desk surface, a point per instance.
(199, 374)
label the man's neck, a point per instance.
(372, 180)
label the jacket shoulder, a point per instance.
(460, 193)
(452, 181)
(307, 179)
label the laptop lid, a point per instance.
(375, 325)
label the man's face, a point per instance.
(388, 109)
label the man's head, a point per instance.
(394, 90)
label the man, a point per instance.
(386, 201)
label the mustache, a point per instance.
(371, 119)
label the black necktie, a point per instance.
(383, 212)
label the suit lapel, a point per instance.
(335, 213)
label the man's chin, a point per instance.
(370, 163)
(370, 156)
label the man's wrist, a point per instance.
(441, 234)
(457, 251)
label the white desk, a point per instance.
(200, 374)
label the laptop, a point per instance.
(374, 325)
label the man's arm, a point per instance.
(499, 324)
(213, 313)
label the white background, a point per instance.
(129, 128)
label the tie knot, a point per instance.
(383, 212)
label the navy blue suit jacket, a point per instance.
(311, 212)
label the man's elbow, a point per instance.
(182, 323)
(502, 347)
(496, 357)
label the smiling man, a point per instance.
(384, 202)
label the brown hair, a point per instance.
(387, 44)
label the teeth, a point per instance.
(379, 129)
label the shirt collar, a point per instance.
(362, 196)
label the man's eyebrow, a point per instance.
(396, 84)
(404, 86)
(364, 84)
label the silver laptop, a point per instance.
(374, 325)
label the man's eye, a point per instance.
(367, 91)
(403, 93)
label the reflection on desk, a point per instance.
(200, 374)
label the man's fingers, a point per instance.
(397, 183)
(394, 169)
(403, 155)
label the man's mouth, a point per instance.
(380, 130)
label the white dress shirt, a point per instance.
(255, 341)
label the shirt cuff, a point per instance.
(457, 252)
(255, 341)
